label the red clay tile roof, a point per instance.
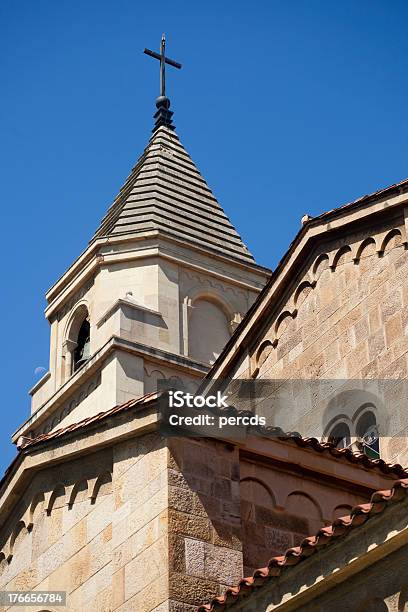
(145, 399)
(274, 432)
(325, 536)
(346, 453)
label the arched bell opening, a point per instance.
(82, 351)
(77, 344)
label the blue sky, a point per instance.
(286, 107)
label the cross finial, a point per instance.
(163, 114)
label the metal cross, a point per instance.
(163, 61)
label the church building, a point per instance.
(101, 505)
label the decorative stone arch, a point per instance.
(152, 379)
(302, 292)
(366, 245)
(337, 420)
(320, 265)
(18, 529)
(78, 492)
(368, 406)
(283, 321)
(102, 485)
(71, 332)
(343, 255)
(38, 499)
(393, 238)
(204, 339)
(211, 295)
(57, 493)
(267, 499)
(263, 353)
(310, 508)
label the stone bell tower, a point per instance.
(86, 506)
(156, 294)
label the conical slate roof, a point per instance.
(166, 192)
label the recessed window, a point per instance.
(82, 350)
(340, 435)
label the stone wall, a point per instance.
(280, 507)
(154, 524)
(95, 528)
(204, 520)
(154, 303)
(343, 317)
(382, 587)
(59, 536)
(228, 515)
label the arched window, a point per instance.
(76, 347)
(82, 350)
(340, 435)
(366, 430)
(208, 330)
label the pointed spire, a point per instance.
(166, 193)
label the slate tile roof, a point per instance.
(326, 536)
(166, 192)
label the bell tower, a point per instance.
(157, 293)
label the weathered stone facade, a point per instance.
(123, 519)
(99, 504)
(338, 315)
(149, 285)
(365, 570)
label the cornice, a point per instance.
(152, 244)
(332, 223)
(95, 363)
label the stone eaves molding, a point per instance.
(94, 364)
(310, 281)
(341, 533)
(385, 202)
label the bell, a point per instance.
(86, 351)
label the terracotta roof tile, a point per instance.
(366, 198)
(273, 432)
(322, 447)
(325, 536)
(346, 453)
(145, 399)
